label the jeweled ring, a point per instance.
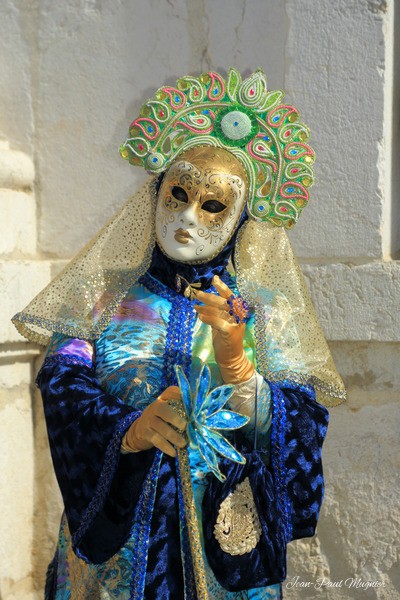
(238, 308)
(177, 407)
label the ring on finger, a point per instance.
(177, 407)
(238, 308)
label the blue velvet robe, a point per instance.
(123, 533)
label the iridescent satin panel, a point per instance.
(71, 347)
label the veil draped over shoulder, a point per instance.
(81, 301)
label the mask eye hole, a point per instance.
(179, 194)
(213, 206)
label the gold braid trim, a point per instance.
(193, 525)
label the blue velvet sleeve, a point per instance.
(85, 425)
(298, 434)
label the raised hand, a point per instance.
(155, 426)
(228, 335)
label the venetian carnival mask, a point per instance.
(200, 201)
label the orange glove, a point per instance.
(228, 335)
(155, 426)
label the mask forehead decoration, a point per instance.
(241, 116)
(200, 203)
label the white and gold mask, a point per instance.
(200, 201)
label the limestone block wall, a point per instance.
(19, 274)
(74, 74)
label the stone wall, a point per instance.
(73, 76)
(20, 272)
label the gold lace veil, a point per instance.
(289, 340)
(82, 299)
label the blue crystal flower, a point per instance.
(206, 416)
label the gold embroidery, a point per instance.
(238, 528)
(193, 525)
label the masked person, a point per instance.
(231, 168)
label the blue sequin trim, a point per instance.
(141, 530)
(111, 459)
(278, 428)
(178, 350)
(292, 385)
(182, 317)
(158, 288)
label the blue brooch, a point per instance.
(206, 416)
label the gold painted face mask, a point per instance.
(199, 205)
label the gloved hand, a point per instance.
(228, 335)
(155, 425)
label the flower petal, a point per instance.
(210, 459)
(193, 436)
(185, 390)
(221, 445)
(203, 383)
(226, 419)
(218, 398)
(208, 454)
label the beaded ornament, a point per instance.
(241, 116)
(238, 308)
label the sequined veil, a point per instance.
(82, 299)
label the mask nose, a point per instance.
(187, 217)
